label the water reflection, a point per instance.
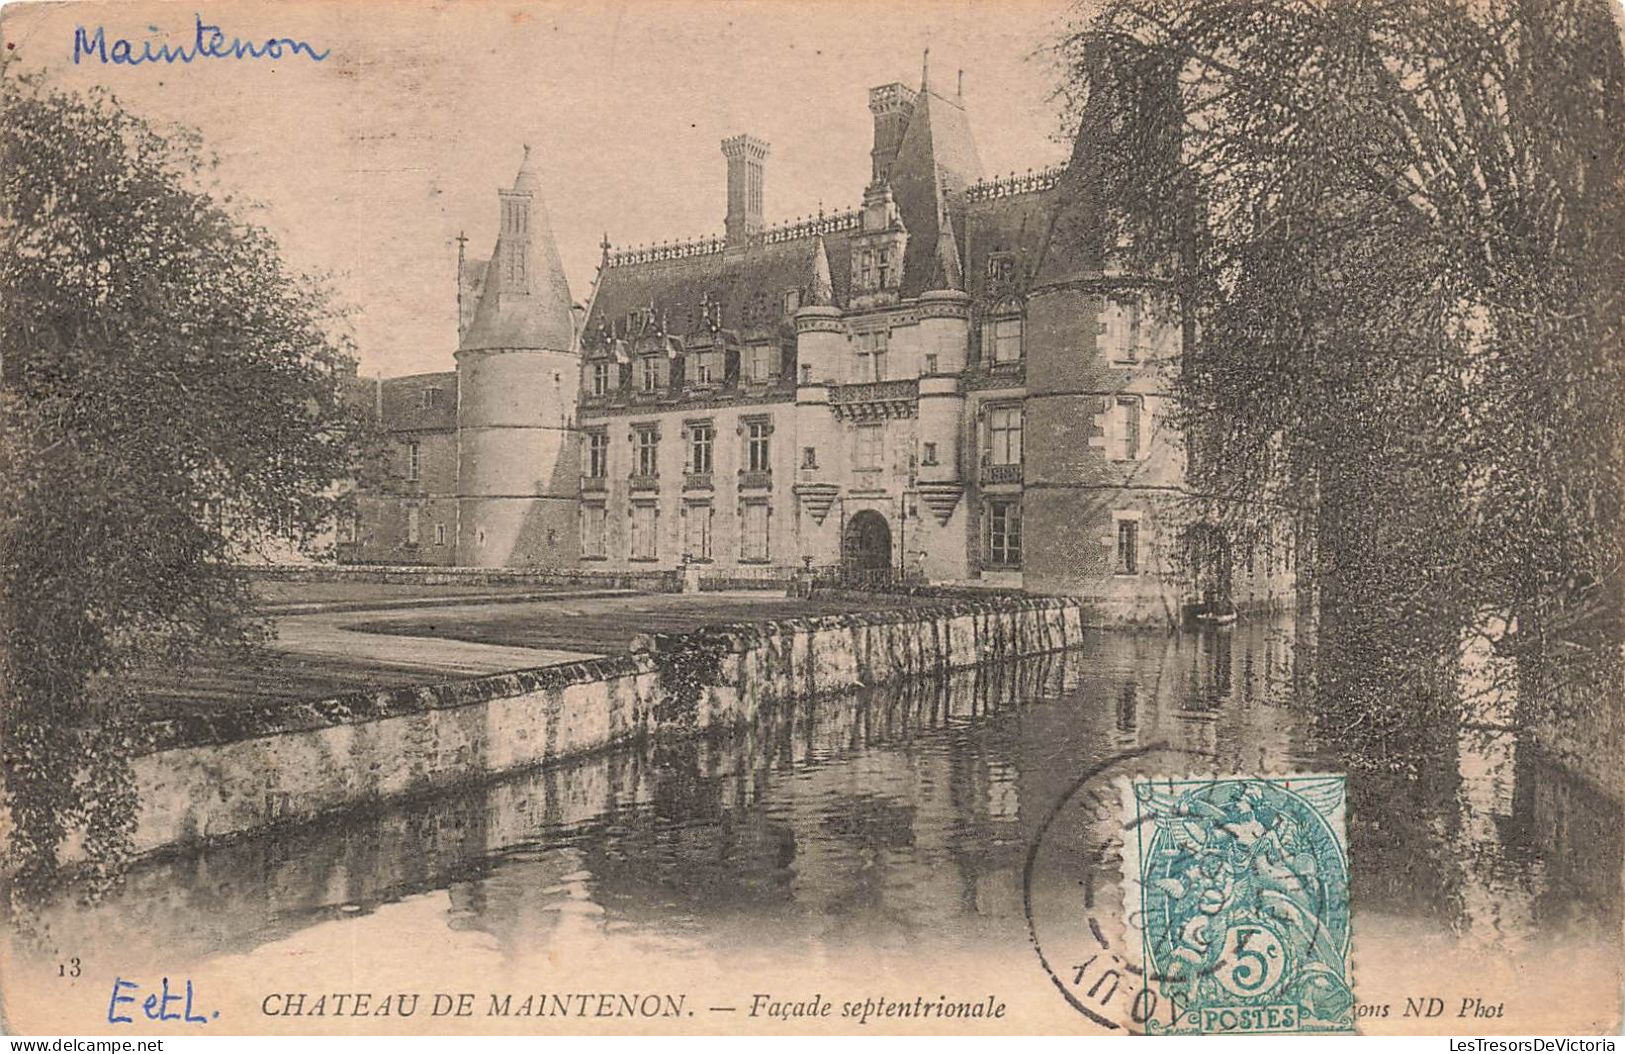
(897, 818)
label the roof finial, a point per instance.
(925, 70)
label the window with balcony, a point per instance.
(1004, 533)
(1004, 435)
(697, 520)
(594, 531)
(645, 532)
(758, 450)
(872, 348)
(702, 437)
(754, 533)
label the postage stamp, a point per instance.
(1238, 887)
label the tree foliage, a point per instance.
(171, 399)
(1402, 248)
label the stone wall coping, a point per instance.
(739, 636)
(214, 727)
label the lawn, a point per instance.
(607, 624)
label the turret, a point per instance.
(518, 379)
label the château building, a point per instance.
(952, 382)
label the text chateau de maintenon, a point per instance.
(947, 384)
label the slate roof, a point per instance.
(539, 316)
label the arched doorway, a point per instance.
(866, 544)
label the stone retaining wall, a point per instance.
(411, 574)
(215, 775)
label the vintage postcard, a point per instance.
(768, 517)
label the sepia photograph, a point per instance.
(807, 517)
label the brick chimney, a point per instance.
(746, 155)
(892, 105)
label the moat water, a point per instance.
(844, 841)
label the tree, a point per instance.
(1402, 286)
(170, 398)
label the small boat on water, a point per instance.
(1214, 614)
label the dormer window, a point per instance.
(867, 270)
(431, 398)
(792, 301)
(883, 267)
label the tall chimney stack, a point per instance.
(746, 156)
(892, 106)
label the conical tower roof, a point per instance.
(524, 299)
(820, 286)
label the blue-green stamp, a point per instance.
(1241, 886)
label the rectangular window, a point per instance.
(872, 349)
(929, 454)
(761, 363)
(754, 536)
(597, 454)
(930, 364)
(867, 270)
(1001, 340)
(697, 532)
(1127, 428)
(594, 527)
(1004, 435)
(1004, 533)
(701, 442)
(431, 398)
(414, 462)
(1121, 328)
(757, 451)
(645, 532)
(651, 373)
(440, 534)
(648, 446)
(600, 378)
(867, 446)
(809, 457)
(413, 526)
(1128, 547)
(704, 367)
(883, 267)
(792, 301)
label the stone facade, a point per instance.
(954, 382)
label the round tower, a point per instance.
(518, 379)
(820, 341)
(944, 338)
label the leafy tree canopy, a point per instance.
(171, 399)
